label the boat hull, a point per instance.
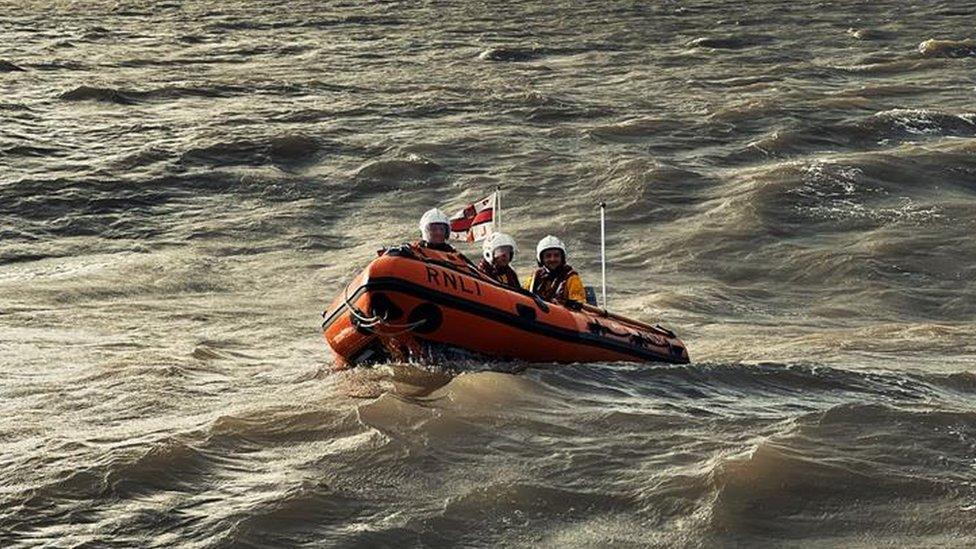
(423, 304)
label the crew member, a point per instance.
(498, 251)
(555, 280)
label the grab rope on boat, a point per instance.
(370, 322)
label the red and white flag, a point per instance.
(475, 221)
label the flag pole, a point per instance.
(603, 250)
(498, 208)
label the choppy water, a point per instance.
(183, 187)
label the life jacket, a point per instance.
(555, 285)
(505, 274)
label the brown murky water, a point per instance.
(791, 187)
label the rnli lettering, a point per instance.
(456, 282)
(450, 280)
(477, 288)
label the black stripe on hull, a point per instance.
(502, 317)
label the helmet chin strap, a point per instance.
(548, 270)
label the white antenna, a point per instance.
(603, 250)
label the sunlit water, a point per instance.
(184, 187)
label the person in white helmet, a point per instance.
(498, 251)
(435, 228)
(554, 280)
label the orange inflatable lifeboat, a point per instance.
(412, 300)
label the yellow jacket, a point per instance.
(568, 286)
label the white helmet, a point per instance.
(495, 241)
(433, 216)
(549, 243)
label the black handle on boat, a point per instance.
(540, 303)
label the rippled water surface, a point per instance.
(185, 185)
